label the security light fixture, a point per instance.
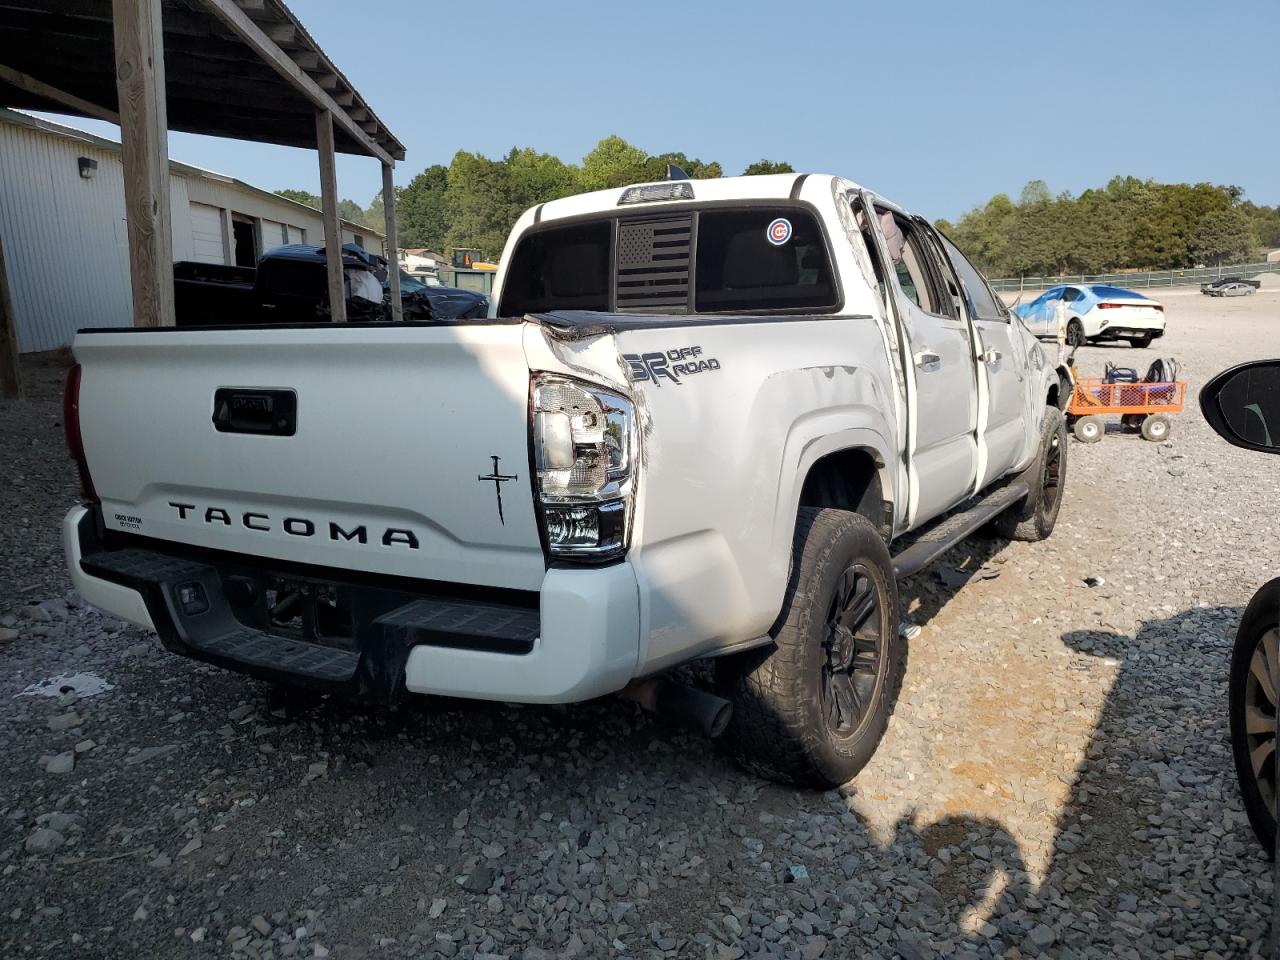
(88, 168)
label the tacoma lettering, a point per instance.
(298, 526)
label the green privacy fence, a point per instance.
(1140, 281)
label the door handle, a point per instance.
(990, 356)
(928, 361)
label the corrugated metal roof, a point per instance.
(175, 166)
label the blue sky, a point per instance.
(937, 105)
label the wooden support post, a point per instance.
(144, 133)
(10, 375)
(228, 238)
(392, 251)
(329, 212)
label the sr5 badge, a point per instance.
(671, 365)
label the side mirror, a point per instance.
(1242, 405)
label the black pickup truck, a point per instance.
(290, 285)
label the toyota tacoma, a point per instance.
(705, 419)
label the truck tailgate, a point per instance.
(409, 452)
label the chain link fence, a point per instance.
(1140, 281)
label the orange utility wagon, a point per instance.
(1142, 406)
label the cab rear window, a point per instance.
(758, 259)
(561, 268)
(755, 259)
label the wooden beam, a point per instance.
(306, 59)
(281, 32)
(10, 374)
(139, 50)
(244, 27)
(391, 250)
(30, 84)
(329, 212)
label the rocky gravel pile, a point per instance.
(1056, 781)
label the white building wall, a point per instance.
(66, 242)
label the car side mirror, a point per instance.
(1242, 405)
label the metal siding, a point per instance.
(206, 233)
(66, 245)
(272, 234)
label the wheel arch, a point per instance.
(849, 479)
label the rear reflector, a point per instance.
(71, 428)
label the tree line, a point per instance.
(474, 201)
(1129, 224)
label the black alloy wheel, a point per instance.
(854, 649)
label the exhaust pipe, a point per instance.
(685, 704)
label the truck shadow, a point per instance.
(1126, 874)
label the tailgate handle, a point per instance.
(272, 413)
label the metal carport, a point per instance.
(243, 69)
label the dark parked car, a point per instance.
(447, 303)
(1230, 287)
(289, 285)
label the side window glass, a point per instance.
(913, 278)
(982, 302)
(953, 296)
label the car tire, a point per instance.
(1253, 712)
(810, 708)
(1075, 334)
(1141, 343)
(1034, 518)
(1088, 429)
(1156, 427)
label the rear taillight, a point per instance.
(71, 427)
(584, 452)
(1156, 306)
(1111, 306)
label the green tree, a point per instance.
(352, 211)
(1036, 191)
(655, 168)
(300, 196)
(766, 166)
(375, 215)
(422, 209)
(1222, 236)
(613, 163)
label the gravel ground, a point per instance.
(1056, 781)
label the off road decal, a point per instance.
(669, 366)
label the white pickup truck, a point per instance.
(709, 418)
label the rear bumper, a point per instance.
(1129, 333)
(577, 638)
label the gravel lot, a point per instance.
(1056, 781)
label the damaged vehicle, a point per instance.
(705, 419)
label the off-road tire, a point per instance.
(1259, 618)
(780, 727)
(1035, 516)
(1075, 334)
